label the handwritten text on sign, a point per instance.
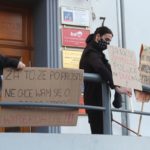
(144, 69)
(40, 85)
(124, 67)
(145, 66)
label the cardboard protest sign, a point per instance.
(144, 68)
(124, 67)
(44, 85)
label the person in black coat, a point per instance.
(93, 60)
(12, 63)
(9, 62)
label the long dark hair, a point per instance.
(101, 30)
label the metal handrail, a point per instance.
(49, 105)
(67, 106)
(92, 77)
(97, 78)
(146, 88)
(131, 112)
(106, 103)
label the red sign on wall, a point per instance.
(74, 37)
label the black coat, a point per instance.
(7, 62)
(93, 61)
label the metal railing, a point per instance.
(106, 103)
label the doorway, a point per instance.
(16, 38)
(33, 37)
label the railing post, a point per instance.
(107, 112)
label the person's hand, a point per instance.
(21, 65)
(123, 90)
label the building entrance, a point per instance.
(16, 39)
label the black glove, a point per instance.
(117, 103)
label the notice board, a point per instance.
(71, 58)
(75, 16)
(44, 85)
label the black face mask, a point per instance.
(102, 44)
